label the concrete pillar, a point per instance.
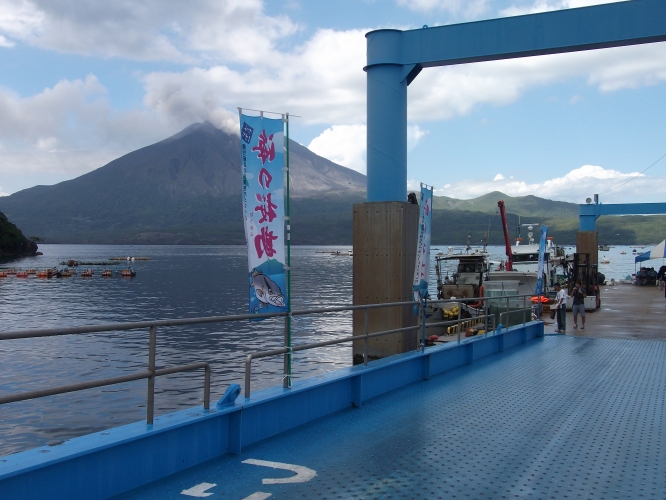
(385, 238)
(387, 133)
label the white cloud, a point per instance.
(322, 81)
(498, 177)
(19, 19)
(573, 187)
(234, 30)
(414, 136)
(463, 8)
(75, 114)
(68, 130)
(548, 5)
(413, 185)
(2, 193)
(240, 61)
(344, 145)
(67, 164)
(444, 93)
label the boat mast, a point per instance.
(507, 240)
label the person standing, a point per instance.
(561, 307)
(579, 304)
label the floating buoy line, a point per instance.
(66, 273)
(74, 268)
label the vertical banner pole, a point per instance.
(262, 153)
(287, 325)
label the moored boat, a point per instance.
(522, 263)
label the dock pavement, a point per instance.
(626, 312)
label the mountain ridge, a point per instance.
(186, 189)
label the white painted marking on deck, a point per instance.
(259, 495)
(199, 490)
(303, 474)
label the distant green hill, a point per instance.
(526, 206)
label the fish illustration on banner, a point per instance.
(422, 269)
(262, 159)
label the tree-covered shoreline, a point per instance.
(12, 242)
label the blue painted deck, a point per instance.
(563, 417)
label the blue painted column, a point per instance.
(387, 123)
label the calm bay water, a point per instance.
(178, 282)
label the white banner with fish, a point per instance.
(262, 160)
(422, 269)
(542, 257)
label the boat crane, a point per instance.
(507, 240)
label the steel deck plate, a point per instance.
(565, 417)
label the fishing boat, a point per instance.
(465, 282)
(107, 273)
(87, 273)
(604, 260)
(522, 263)
(128, 273)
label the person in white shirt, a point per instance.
(561, 306)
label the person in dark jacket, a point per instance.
(660, 276)
(579, 304)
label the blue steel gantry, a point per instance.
(396, 57)
(589, 214)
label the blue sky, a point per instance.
(82, 83)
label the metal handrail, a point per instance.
(23, 396)
(303, 347)
(366, 335)
(151, 373)
(51, 332)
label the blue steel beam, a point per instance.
(589, 214)
(396, 57)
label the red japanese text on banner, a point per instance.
(262, 160)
